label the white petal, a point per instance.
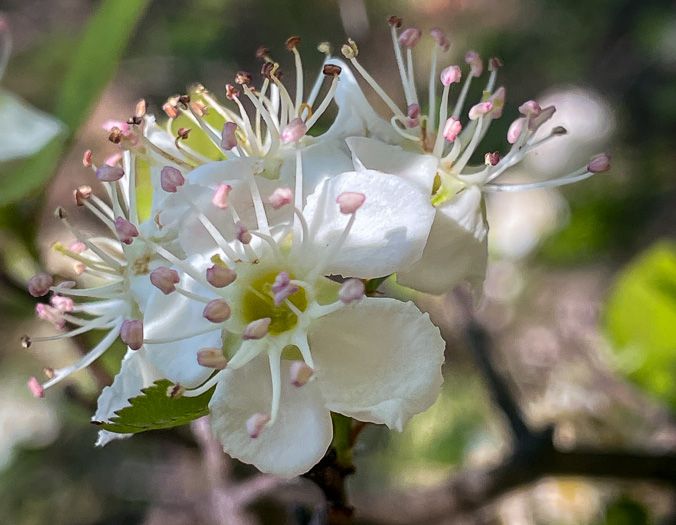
(136, 373)
(417, 168)
(389, 232)
(289, 447)
(378, 360)
(457, 248)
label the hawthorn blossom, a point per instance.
(434, 152)
(283, 344)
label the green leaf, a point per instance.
(155, 409)
(641, 321)
(91, 69)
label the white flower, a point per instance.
(261, 295)
(435, 152)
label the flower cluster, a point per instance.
(249, 277)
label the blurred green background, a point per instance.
(580, 297)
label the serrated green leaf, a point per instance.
(641, 321)
(155, 409)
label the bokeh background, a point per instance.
(580, 299)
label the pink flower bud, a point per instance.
(474, 61)
(39, 285)
(294, 131)
(515, 130)
(350, 201)
(212, 358)
(220, 199)
(171, 179)
(229, 136)
(410, 37)
(108, 173)
(126, 231)
(242, 233)
(599, 164)
(351, 290)
(300, 373)
(131, 333)
(36, 388)
(479, 110)
(217, 311)
(256, 329)
(530, 108)
(451, 74)
(441, 39)
(281, 197)
(220, 276)
(256, 423)
(452, 129)
(165, 279)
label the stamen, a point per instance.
(350, 201)
(36, 388)
(219, 276)
(212, 358)
(400, 62)
(281, 197)
(217, 311)
(126, 231)
(327, 99)
(275, 358)
(171, 179)
(351, 290)
(301, 373)
(229, 136)
(294, 131)
(291, 44)
(256, 423)
(131, 333)
(256, 329)
(220, 198)
(40, 284)
(107, 173)
(599, 164)
(208, 385)
(165, 279)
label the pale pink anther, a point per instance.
(351, 290)
(220, 198)
(283, 294)
(452, 129)
(79, 268)
(491, 159)
(87, 158)
(294, 131)
(599, 164)
(170, 109)
(212, 358)
(545, 114)
(131, 333)
(350, 201)
(112, 125)
(231, 92)
(217, 311)
(530, 108)
(475, 63)
(165, 279)
(49, 372)
(38, 285)
(242, 233)
(257, 329)
(114, 159)
(63, 304)
(77, 247)
(171, 179)
(413, 114)
(36, 388)
(219, 276)
(281, 281)
(440, 37)
(300, 373)
(410, 37)
(515, 129)
(281, 197)
(126, 231)
(229, 136)
(108, 173)
(451, 74)
(479, 110)
(50, 314)
(256, 423)
(498, 101)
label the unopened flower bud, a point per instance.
(281, 197)
(108, 173)
(242, 233)
(451, 74)
(351, 290)
(410, 37)
(171, 179)
(475, 63)
(36, 388)
(256, 423)
(256, 329)
(219, 276)
(217, 311)
(441, 39)
(229, 136)
(165, 279)
(212, 358)
(126, 231)
(300, 373)
(452, 129)
(599, 164)
(294, 131)
(131, 333)
(515, 130)
(479, 110)
(220, 198)
(350, 201)
(39, 285)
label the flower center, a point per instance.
(259, 302)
